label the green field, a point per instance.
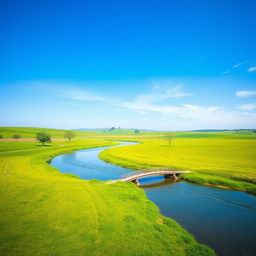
(45, 212)
(30, 132)
(224, 159)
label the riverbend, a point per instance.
(222, 219)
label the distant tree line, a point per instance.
(119, 128)
(15, 136)
(44, 137)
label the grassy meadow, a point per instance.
(30, 132)
(46, 212)
(224, 159)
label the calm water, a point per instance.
(222, 219)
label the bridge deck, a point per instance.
(136, 176)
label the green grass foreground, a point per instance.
(45, 212)
(221, 159)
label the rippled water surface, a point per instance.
(222, 219)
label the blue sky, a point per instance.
(167, 65)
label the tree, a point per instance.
(137, 131)
(43, 137)
(170, 137)
(16, 136)
(1, 136)
(69, 135)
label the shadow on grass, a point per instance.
(43, 145)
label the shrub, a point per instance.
(16, 136)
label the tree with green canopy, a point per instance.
(69, 135)
(43, 137)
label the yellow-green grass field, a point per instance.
(223, 159)
(46, 212)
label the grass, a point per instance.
(30, 132)
(223, 159)
(45, 212)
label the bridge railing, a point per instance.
(153, 171)
(147, 170)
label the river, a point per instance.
(225, 220)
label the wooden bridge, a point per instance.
(134, 177)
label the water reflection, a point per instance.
(165, 182)
(225, 220)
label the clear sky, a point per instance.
(167, 65)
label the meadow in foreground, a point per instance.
(45, 212)
(222, 159)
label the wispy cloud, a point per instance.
(237, 65)
(248, 107)
(190, 115)
(151, 102)
(251, 69)
(157, 108)
(195, 116)
(159, 93)
(245, 93)
(184, 111)
(78, 94)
